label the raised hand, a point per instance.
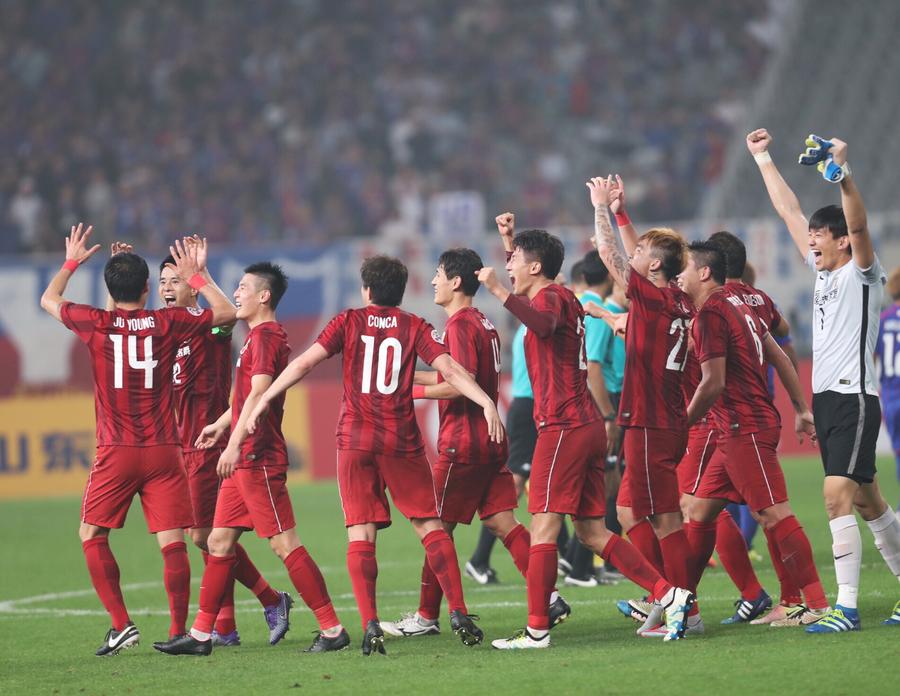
(200, 245)
(599, 189)
(839, 151)
(120, 248)
(76, 244)
(506, 224)
(487, 276)
(187, 259)
(616, 195)
(758, 141)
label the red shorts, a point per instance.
(701, 447)
(156, 473)
(462, 489)
(752, 464)
(256, 498)
(203, 484)
(363, 478)
(567, 471)
(715, 481)
(652, 456)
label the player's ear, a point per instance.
(265, 296)
(456, 283)
(535, 268)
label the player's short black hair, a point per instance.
(166, 261)
(831, 217)
(594, 270)
(464, 264)
(540, 245)
(576, 273)
(710, 256)
(126, 277)
(385, 277)
(273, 276)
(734, 250)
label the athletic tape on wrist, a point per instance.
(71, 265)
(762, 157)
(197, 281)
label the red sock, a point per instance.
(104, 572)
(441, 556)
(702, 539)
(247, 574)
(177, 579)
(539, 580)
(790, 593)
(798, 560)
(430, 594)
(632, 564)
(518, 543)
(225, 622)
(363, 569)
(677, 558)
(310, 584)
(643, 538)
(218, 574)
(732, 550)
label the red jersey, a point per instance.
(380, 346)
(132, 355)
(758, 301)
(656, 346)
(474, 343)
(265, 352)
(202, 380)
(556, 360)
(727, 328)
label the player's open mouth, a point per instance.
(512, 280)
(169, 300)
(817, 254)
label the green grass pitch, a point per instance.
(51, 622)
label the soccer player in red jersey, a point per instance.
(568, 466)
(202, 380)
(470, 474)
(733, 345)
(379, 444)
(254, 465)
(652, 409)
(132, 352)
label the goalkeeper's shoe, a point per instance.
(893, 619)
(747, 609)
(816, 150)
(838, 620)
(117, 641)
(522, 640)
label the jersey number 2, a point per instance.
(147, 364)
(381, 383)
(672, 362)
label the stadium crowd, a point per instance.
(306, 121)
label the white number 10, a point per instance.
(381, 382)
(147, 364)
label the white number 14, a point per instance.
(147, 364)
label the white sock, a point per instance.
(554, 596)
(537, 633)
(199, 635)
(847, 548)
(887, 539)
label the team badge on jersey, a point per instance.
(196, 311)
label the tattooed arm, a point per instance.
(604, 238)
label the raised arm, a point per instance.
(784, 200)
(456, 376)
(803, 420)
(77, 252)
(296, 370)
(506, 225)
(854, 211)
(627, 231)
(190, 263)
(604, 239)
(116, 248)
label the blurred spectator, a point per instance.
(307, 121)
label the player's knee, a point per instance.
(86, 532)
(219, 544)
(199, 537)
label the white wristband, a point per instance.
(762, 157)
